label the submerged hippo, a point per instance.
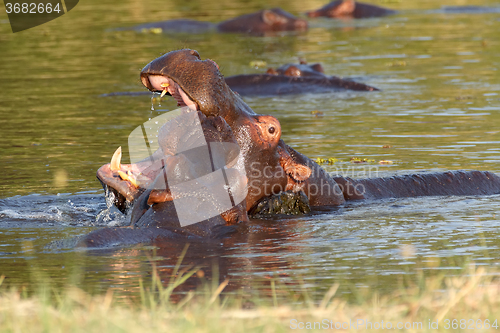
(285, 80)
(271, 166)
(350, 9)
(258, 23)
(292, 79)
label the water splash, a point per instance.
(110, 216)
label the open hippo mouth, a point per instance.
(158, 81)
(198, 86)
(166, 85)
(187, 79)
(192, 82)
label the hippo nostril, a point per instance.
(301, 24)
(271, 129)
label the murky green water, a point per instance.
(439, 109)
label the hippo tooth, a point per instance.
(164, 92)
(165, 85)
(123, 175)
(116, 160)
(128, 176)
(132, 179)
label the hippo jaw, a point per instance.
(165, 85)
(193, 82)
(199, 85)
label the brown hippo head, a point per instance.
(195, 164)
(267, 20)
(299, 70)
(198, 86)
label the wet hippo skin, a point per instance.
(292, 79)
(271, 166)
(258, 23)
(350, 9)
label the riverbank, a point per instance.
(470, 301)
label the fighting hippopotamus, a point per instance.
(270, 166)
(350, 9)
(292, 79)
(258, 23)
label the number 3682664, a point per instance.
(32, 8)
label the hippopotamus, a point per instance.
(287, 79)
(271, 166)
(258, 23)
(350, 9)
(292, 79)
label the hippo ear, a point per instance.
(271, 71)
(345, 7)
(157, 196)
(318, 68)
(268, 16)
(298, 172)
(293, 71)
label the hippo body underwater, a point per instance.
(292, 79)
(350, 9)
(258, 23)
(271, 167)
(288, 79)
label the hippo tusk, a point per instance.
(128, 176)
(123, 175)
(165, 86)
(132, 179)
(116, 160)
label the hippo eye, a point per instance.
(271, 129)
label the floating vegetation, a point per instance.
(396, 64)
(155, 31)
(258, 63)
(322, 161)
(465, 97)
(317, 113)
(355, 160)
(361, 160)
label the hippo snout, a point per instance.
(300, 24)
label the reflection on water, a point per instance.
(437, 110)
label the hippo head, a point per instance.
(299, 70)
(267, 20)
(198, 86)
(338, 8)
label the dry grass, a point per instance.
(473, 296)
